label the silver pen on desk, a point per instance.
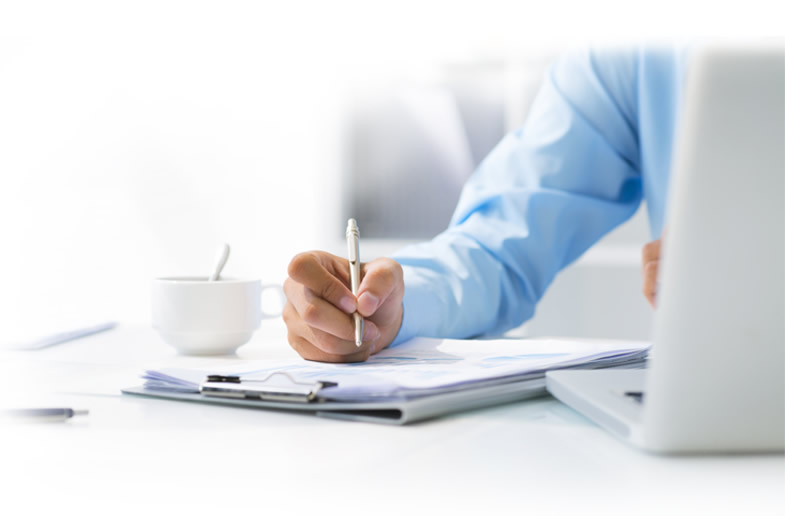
(353, 244)
(42, 415)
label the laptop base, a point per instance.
(610, 398)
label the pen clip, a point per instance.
(353, 245)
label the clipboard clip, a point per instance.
(278, 386)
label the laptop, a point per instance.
(715, 380)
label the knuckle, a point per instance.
(286, 313)
(310, 313)
(299, 263)
(384, 275)
(393, 268)
(290, 316)
(308, 295)
(393, 265)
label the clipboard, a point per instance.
(392, 412)
(267, 389)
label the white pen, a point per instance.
(353, 244)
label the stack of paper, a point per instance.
(423, 367)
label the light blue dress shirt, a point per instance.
(597, 140)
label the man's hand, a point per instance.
(650, 258)
(320, 303)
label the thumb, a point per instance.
(382, 278)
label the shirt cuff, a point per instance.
(414, 306)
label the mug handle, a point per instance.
(281, 296)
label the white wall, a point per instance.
(136, 136)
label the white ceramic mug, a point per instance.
(200, 317)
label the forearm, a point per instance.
(486, 275)
(454, 288)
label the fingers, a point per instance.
(316, 271)
(651, 251)
(650, 260)
(317, 312)
(382, 279)
(319, 322)
(650, 271)
(320, 303)
(310, 352)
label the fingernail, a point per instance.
(348, 305)
(369, 302)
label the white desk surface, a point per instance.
(134, 454)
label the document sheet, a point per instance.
(422, 367)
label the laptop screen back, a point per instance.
(716, 378)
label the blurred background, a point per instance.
(135, 137)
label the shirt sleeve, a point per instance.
(539, 200)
